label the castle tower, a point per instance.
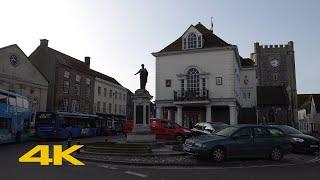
(276, 67)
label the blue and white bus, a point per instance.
(15, 121)
(64, 125)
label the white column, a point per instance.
(169, 114)
(159, 113)
(233, 114)
(208, 113)
(179, 115)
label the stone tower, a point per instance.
(276, 67)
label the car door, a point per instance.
(261, 141)
(241, 143)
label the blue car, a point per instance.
(241, 141)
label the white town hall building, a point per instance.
(200, 77)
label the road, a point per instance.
(11, 169)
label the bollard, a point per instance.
(69, 142)
(78, 143)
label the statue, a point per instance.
(143, 77)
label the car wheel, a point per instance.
(179, 138)
(218, 154)
(276, 154)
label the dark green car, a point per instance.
(241, 141)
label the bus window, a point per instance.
(3, 98)
(4, 123)
(45, 118)
(19, 102)
(25, 103)
(12, 101)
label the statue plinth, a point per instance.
(141, 129)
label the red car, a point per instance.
(163, 129)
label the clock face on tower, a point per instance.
(274, 63)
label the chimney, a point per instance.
(87, 61)
(44, 42)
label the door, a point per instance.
(191, 119)
(241, 144)
(262, 141)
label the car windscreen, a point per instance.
(227, 131)
(219, 127)
(289, 130)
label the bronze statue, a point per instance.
(143, 77)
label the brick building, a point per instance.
(71, 83)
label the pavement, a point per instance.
(11, 169)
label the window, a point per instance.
(115, 109)
(87, 107)
(75, 106)
(244, 96)
(66, 86)
(120, 109)
(104, 109)
(78, 78)
(110, 107)
(66, 74)
(65, 105)
(260, 132)
(275, 76)
(3, 98)
(193, 81)
(116, 95)
(110, 93)
(244, 133)
(77, 89)
(204, 86)
(104, 92)
(168, 83)
(12, 101)
(275, 132)
(98, 106)
(184, 44)
(192, 41)
(218, 80)
(88, 81)
(99, 90)
(249, 95)
(199, 41)
(182, 86)
(120, 97)
(124, 96)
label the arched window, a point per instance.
(193, 81)
(192, 41)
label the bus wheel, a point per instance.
(18, 137)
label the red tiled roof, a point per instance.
(210, 40)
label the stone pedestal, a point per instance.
(141, 129)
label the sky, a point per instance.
(120, 35)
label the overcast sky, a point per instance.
(120, 35)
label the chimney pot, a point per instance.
(44, 42)
(87, 61)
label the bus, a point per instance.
(15, 121)
(64, 125)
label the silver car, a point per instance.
(208, 128)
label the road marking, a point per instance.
(109, 167)
(136, 174)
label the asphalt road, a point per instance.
(11, 169)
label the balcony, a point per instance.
(191, 95)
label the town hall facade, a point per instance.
(200, 77)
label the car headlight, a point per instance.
(200, 145)
(297, 139)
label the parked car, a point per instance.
(163, 129)
(240, 141)
(207, 128)
(300, 142)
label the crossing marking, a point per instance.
(136, 174)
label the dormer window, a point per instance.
(192, 41)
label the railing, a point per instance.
(191, 95)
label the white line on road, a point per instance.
(109, 167)
(136, 174)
